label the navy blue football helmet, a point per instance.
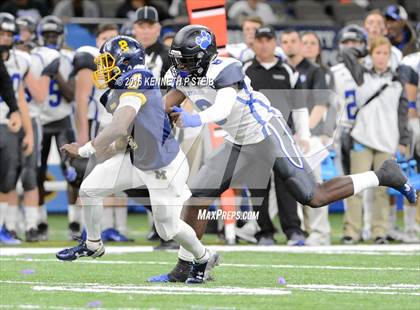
(354, 33)
(192, 50)
(117, 56)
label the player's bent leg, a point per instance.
(105, 179)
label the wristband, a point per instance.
(86, 150)
(412, 105)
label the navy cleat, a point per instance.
(80, 250)
(178, 274)
(391, 175)
(200, 272)
(113, 235)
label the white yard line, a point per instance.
(150, 289)
(142, 262)
(395, 249)
(391, 289)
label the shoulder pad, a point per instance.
(225, 71)
(83, 60)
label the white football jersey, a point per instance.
(345, 89)
(243, 53)
(394, 61)
(413, 61)
(56, 106)
(250, 112)
(41, 57)
(18, 66)
(85, 56)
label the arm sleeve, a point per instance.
(403, 120)
(6, 88)
(225, 99)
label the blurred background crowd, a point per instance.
(319, 56)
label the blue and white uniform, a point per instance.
(17, 65)
(258, 139)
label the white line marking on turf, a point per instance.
(150, 289)
(137, 262)
(394, 249)
(392, 289)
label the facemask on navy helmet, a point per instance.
(117, 56)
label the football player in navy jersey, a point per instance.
(137, 148)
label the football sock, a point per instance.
(3, 212)
(75, 214)
(93, 245)
(31, 217)
(107, 220)
(92, 214)
(187, 238)
(121, 219)
(11, 217)
(185, 255)
(43, 216)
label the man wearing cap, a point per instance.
(275, 78)
(146, 30)
(399, 31)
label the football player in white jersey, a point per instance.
(257, 140)
(375, 26)
(91, 117)
(19, 65)
(56, 113)
(410, 76)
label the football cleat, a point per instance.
(200, 272)
(113, 235)
(178, 274)
(80, 250)
(391, 175)
(31, 235)
(7, 238)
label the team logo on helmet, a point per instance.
(203, 40)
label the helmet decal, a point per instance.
(203, 40)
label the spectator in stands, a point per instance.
(375, 26)
(382, 107)
(244, 8)
(244, 51)
(129, 7)
(399, 30)
(18, 8)
(275, 79)
(168, 38)
(322, 119)
(146, 30)
(76, 8)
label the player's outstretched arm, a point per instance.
(222, 107)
